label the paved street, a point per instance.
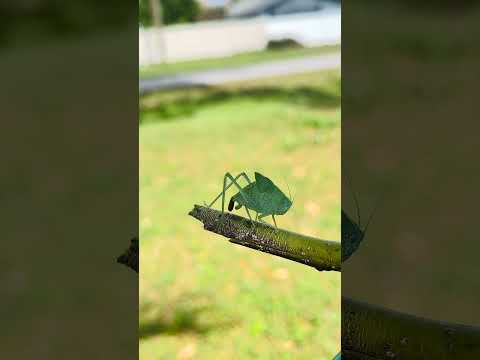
(248, 72)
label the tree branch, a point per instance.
(374, 333)
(368, 332)
(323, 255)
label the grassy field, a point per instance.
(236, 60)
(200, 296)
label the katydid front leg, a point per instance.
(225, 188)
(240, 189)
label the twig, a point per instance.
(368, 332)
(323, 255)
(374, 333)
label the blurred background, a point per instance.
(410, 137)
(69, 188)
(236, 86)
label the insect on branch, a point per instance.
(323, 255)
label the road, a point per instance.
(248, 72)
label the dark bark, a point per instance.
(374, 333)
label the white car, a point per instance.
(307, 22)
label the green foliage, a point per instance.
(173, 11)
(295, 91)
(180, 11)
(144, 15)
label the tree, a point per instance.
(156, 11)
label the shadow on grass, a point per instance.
(171, 105)
(180, 317)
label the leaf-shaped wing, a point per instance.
(264, 184)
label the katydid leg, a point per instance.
(240, 189)
(265, 215)
(273, 217)
(225, 188)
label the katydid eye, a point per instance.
(231, 204)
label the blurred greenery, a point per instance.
(235, 60)
(174, 11)
(34, 22)
(200, 296)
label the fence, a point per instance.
(214, 39)
(201, 40)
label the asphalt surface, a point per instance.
(247, 72)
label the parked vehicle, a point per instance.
(253, 8)
(306, 22)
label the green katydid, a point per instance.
(261, 196)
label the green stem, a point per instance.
(374, 333)
(323, 255)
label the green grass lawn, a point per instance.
(202, 297)
(236, 60)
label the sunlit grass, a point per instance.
(235, 60)
(202, 297)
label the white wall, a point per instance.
(203, 40)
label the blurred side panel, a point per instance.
(410, 148)
(69, 180)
